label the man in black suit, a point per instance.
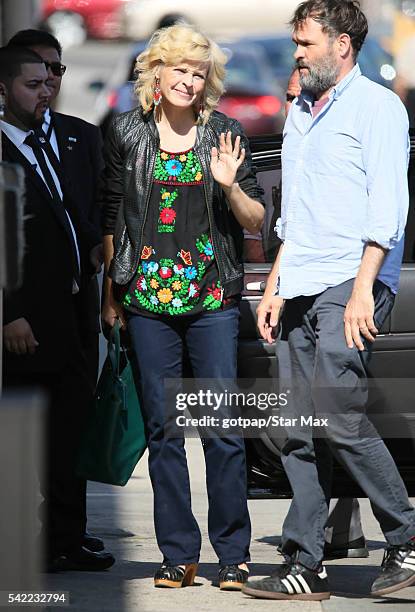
(41, 331)
(78, 144)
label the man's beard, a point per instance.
(320, 76)
(32, 120)
(38, 121)
(35, 122)
(29, 119)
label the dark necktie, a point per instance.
(50, 128)
(33, 142)
(43, 140)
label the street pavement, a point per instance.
(123, 517)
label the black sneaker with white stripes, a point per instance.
(291, 581)
(397, 569)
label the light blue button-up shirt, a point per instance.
(344, 183)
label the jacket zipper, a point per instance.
(145, 213)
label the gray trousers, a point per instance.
(326, 379)
(344, 522)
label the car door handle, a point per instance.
(256, 286)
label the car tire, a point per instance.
(172, 19)
(68, 27)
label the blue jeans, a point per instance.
(211, 341)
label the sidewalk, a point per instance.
(123, 517)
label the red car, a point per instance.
(73, 20)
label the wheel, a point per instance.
(68, 27)
(172, 19)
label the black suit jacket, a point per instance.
(80, 150)
(45, 298)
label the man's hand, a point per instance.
(96, 257)
(18, 337)
(358, 319)
(269, 312)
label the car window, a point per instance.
(131, 73)
(374, 61)
(280, 53)
(263, 247)
(243, 69)
(376, 52)
(137, 50)
(409, 251)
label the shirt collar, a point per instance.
(15, 134)
(46, 120)
(338, 89)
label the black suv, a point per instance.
(393, 361)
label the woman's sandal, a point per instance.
(232, 578)
(175, 576)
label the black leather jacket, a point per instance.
(129, 154)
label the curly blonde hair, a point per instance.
(171, 46)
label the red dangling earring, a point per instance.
(157, 92)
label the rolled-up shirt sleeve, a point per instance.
(279, 229)
(385, 147)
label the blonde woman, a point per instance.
(179, 189)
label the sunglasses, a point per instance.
(57, 68)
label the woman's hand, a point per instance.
(225, 162)
(112, 310)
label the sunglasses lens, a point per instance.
(57, 68)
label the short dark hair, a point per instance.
(11, 60)
(335, 17)
(35, 38)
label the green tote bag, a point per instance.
(114, 439)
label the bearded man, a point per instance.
(344, 207)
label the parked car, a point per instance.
(375, 63)
(391, 405)
(71, 21)
(252, 95)
(216, 18)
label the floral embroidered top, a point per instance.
(177, 272)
